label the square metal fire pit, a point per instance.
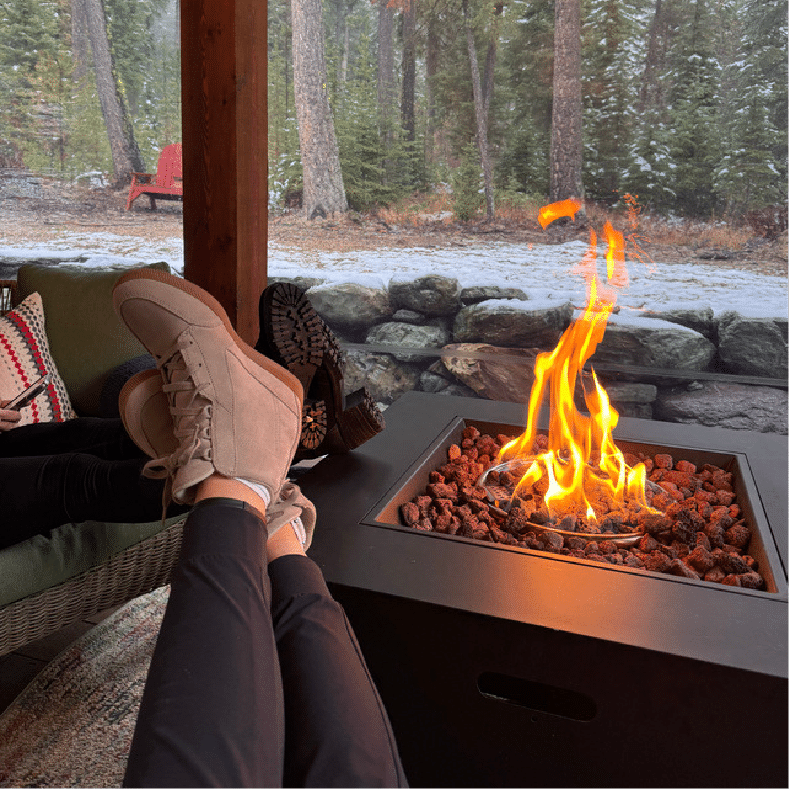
(509, 667)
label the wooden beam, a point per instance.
(225, 145)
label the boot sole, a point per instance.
(271, 367)
(293, 334)
(357, 424)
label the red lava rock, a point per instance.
(724, 498)
(731, 580)
(715, 575)
(738, 536)
(664, 461)
(685, 466)
(648, 544)
(454, 452)
(732, 563)
(700, 559)
(657, 562)
(680, 569)
(715, 534)
(551, 540)
(751, 580)
(410, 513)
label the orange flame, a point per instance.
(555, 210)
(581, 455)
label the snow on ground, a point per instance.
(543, 271)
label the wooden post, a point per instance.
(225, 145)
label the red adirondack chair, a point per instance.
(167, 184)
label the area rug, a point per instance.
(73, 724)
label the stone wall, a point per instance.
(482, 341)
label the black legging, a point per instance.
(256, 678)
(68, 472)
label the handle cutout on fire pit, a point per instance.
(537, 696)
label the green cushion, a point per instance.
(45, 561)
(86, 337)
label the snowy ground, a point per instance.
(542, 271)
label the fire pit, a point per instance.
(704, 533)
(506, 666)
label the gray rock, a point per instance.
(431, 295)
(349, 306)
(493, 373)
(385, 377)
(513, 324)
(409, 316)
(643, 342)
(735, 406)
(700, 319)
(477, 293)
(752, 346)
(404, 335)
(432, 382)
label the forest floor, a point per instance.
(56, 211)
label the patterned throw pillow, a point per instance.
(25, 357)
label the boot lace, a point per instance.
(191, 412)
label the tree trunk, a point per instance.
(385, 76)
(566, 141)
(385, 81)
(126, 157)
(652, 62)
(431, 69)
(79, 40)
(324, 193)
(481, 112)
(409, 69)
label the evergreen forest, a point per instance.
(684, 102)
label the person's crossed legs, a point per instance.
(256, 679)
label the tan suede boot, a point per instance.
(234, 411)
(145, 411)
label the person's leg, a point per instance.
(211, 713)
(337, 732)
(104, 438)
(41, 493)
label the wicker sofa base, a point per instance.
(133, 572)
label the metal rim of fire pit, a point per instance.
(628, 538)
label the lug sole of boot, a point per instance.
(294, 335)
(292, 332)
(358, 423)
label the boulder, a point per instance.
(513, 324)
(752, 346)
(384, 376)
(735, 406)
(477, 293)
(700, 319)
(433, 382)
(432, 295)
(406, 335)
(409, 316)
(349, 306)
(493, 373)
(645, 342)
